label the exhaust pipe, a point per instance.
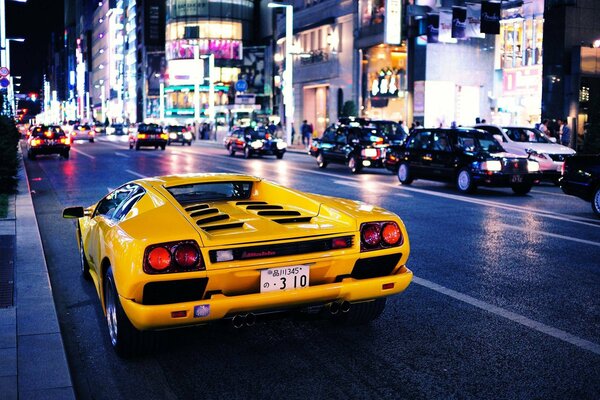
(250, 319)
(238, 321)
(334, 308)
(345, 306)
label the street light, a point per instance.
(288, 88)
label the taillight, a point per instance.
(182, 256)
(65, 140)
(159, 259)
(164, 136)
(142, 136)
(380, 235)
(562, 168)
(186, 255)
(36, 142)
(341, 242)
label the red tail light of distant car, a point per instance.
(183, 256)
(378, 235)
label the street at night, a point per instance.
(504, 302)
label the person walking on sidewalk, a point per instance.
(564, 132)
(304, 132)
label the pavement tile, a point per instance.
(8, 388)
(42, 370)
(45, 394)
(8, 366)
(8, 316)
(8, 338)
(36, 317)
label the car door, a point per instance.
(418, 153)
(328, 142)
(103, 220)
(441, 166)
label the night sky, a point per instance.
(35, 21)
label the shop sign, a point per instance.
(222, 48)
(490, 17)
(459, 22)
(245, 99)
(419, 99)
(522, 81)
(393, 22)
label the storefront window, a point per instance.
(521, 42)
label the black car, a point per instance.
(250, 141)
(48, 139)
(149, 135)
(581, 178)
(355, 146)
(467, 157)
(178, 134)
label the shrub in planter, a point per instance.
(9, 157)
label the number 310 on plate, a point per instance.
(284, 278)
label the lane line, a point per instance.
(121, 154)
(554, 235)
(83, 153)
(361, 185)
(519, 319)
(136, 173)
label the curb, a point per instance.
(38, 361)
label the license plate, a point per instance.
(516, 179)
(284, 278)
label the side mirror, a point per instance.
(73, 212)
(552, 139)
(499, 138)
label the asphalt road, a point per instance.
(505, 303)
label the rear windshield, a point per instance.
(365, 134)
(176, 128)
(212, 191)
(149, 128)
(49, 132)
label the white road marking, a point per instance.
(83, 153)
(361, 185)
(519, 319)
(554, 235)
(121, 154)
(136, 173)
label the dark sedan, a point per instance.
(355, 146)
(581, 178)
(48, 139)
(250, 141)
(467, 157)
(148, 135)
(178, 134)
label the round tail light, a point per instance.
(390, 234)
(370, 235)
(186, 255)
(159, 258)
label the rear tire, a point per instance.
(321, 160)
(404, 175)
(85, 267)
(231, 151)
(279, 156)
(124, 337)
(163, 147)
(65, 154)
(247, 152)
(464, 181)
(361, 313)
(137, 146)
(521, 189)
(596, 202)
(91, 140)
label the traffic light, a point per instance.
(33, 96)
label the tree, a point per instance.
(9, 156)
(349, 109)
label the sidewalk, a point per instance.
(33, 364)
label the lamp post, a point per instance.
(211, 87)
(288, 88)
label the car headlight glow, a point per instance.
(492, 165)
(172, 135)
(257, 144)
(125, 130)
(110, 130)
(281, 145)
(371, 153)
(187, 135)
(533, 166)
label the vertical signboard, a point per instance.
(393, 22)
(154, 23)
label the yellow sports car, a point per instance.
(184, 250)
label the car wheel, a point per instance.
(155, 147)
(163, 147)
(137, 146)
(85, 267)
(360, 313)
(321, 160)
(65, 154)
(521, 189)
(247, 152)
(124, 337)
(596, 201)
(279, 156)
(354, 165)
(169, 142)
(189, 143)
(464, 181)
(404, 175)
(91, 140)
(130, 146)
(231, 150)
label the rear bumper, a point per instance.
(220, 306)
(150, 142)
(56, 149)
(505, 180)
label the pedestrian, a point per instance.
(483, 121)
(543, 126)
(293, 133)
(304, 129)
(477, 120)
(564, 132)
